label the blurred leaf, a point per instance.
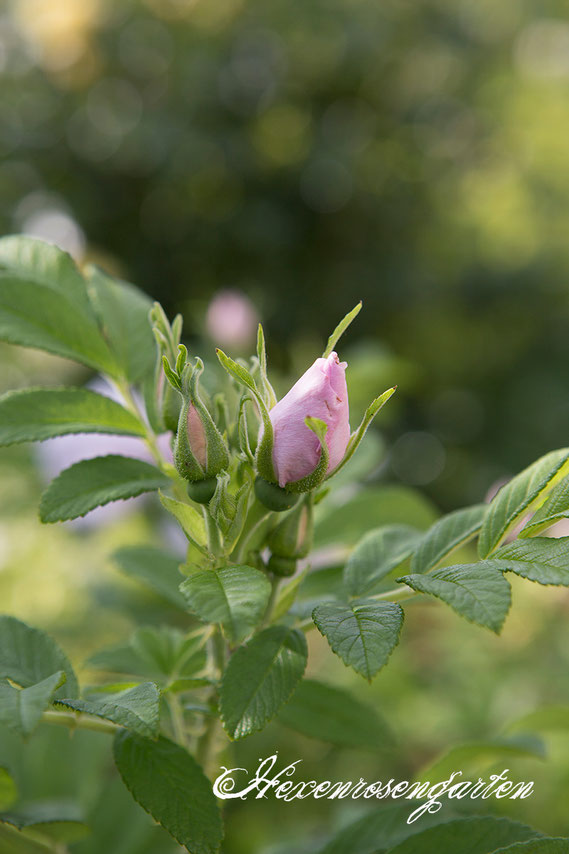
(153, 567)
(479, 754)
(541, 559)
(480, 835)
(163, 655)
(123, 315)
(190, 519)
(137, 708)
(556, 507)
(348, 521)
(95, 482)
(259, 678)
(34, 414)
(378, 553)
(44, 304)
(518, 497)
(446, 535)
(331, 714)
(543, 720)
(8, 790)
(362, 633)
(477, 591)
(21, 708)
(172, 787)
(537, 846)
(28, 655)
(235, 596)
(49, 821)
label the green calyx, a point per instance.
(292, 537)
(282, 566)
(273, 496)
(202, 491)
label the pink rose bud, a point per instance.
(321, 392)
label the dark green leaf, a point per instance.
(21, 708)
(519, 497)
(259, 678)
(541, 559)
(34, 414)
(235, 596)
(28, 655)
(548, 845)
(44, 304)
(123, 312)
(92, 483)
(477, 591)
(331, 714)
(153, 567)
(480, 835)
(446, 535)
(172, 787)
(377, 555)
(137, 709)
(362, 633)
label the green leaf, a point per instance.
(35, 414)
(190, 519)
(123, 312)
(477, 591)
(155, 568)
(358, 435)
(556, 507)
(544, 719)
(549, 845)
(382, 828)
(287, 595)
(137, 708)
(519, 497)
(21, 708)
(340, 329)
(235, 596)
(363, 633)
(473, 756)
(377, 555)
(28, 655)
(49, 822)
(169, 784)
(163, 655)
(44, 304)
(331, 714)
(8, 790)
(259, 678)
(92, 483)
(541, 559)
(446, 535)
(480, 835)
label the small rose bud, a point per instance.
(321, 393)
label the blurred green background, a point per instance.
(410, 153)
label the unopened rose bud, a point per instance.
(321, 393)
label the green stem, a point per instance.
(275, 581)
(214, 543)
(177, 717)
(206, 748)
(77, 720)
(257, 515)
(399, 593)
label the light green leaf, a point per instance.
(169, 784)
(446, 535)
(8, 790)
(35, 414)
(28, 655)
(287, 596)
(480, 835)
(48, 823)
(44, 304)
(235, 596)
(520, 496)
(358, 435)
(190, 519)
(544, 719)
(93, 483)
(340, 329)
(137, 708)
(556, 507)
(259, 678)
(549, 845)
(163, 655)
(21, 708)
(474, 756)
(123, 312)
(155, 568)
(477, 591)
(333, 715)
(377, 555)
(363, 633)
(541, 559)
